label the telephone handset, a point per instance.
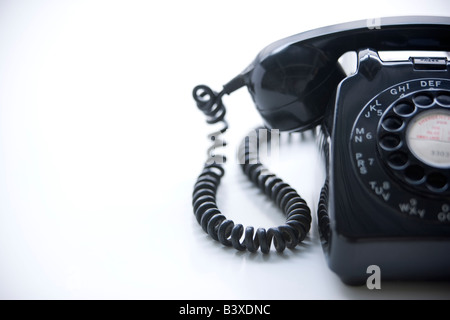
(385, 134)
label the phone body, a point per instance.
(384, 132)
(388, 178)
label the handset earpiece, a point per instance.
(292, 80)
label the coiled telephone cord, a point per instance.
(211, 219)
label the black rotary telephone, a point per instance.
(384, 132)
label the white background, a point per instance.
(101, 143)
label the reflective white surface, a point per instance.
(101, 143)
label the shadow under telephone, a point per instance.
(384, 132)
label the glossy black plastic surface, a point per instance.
(375, 217)
(293, 80)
